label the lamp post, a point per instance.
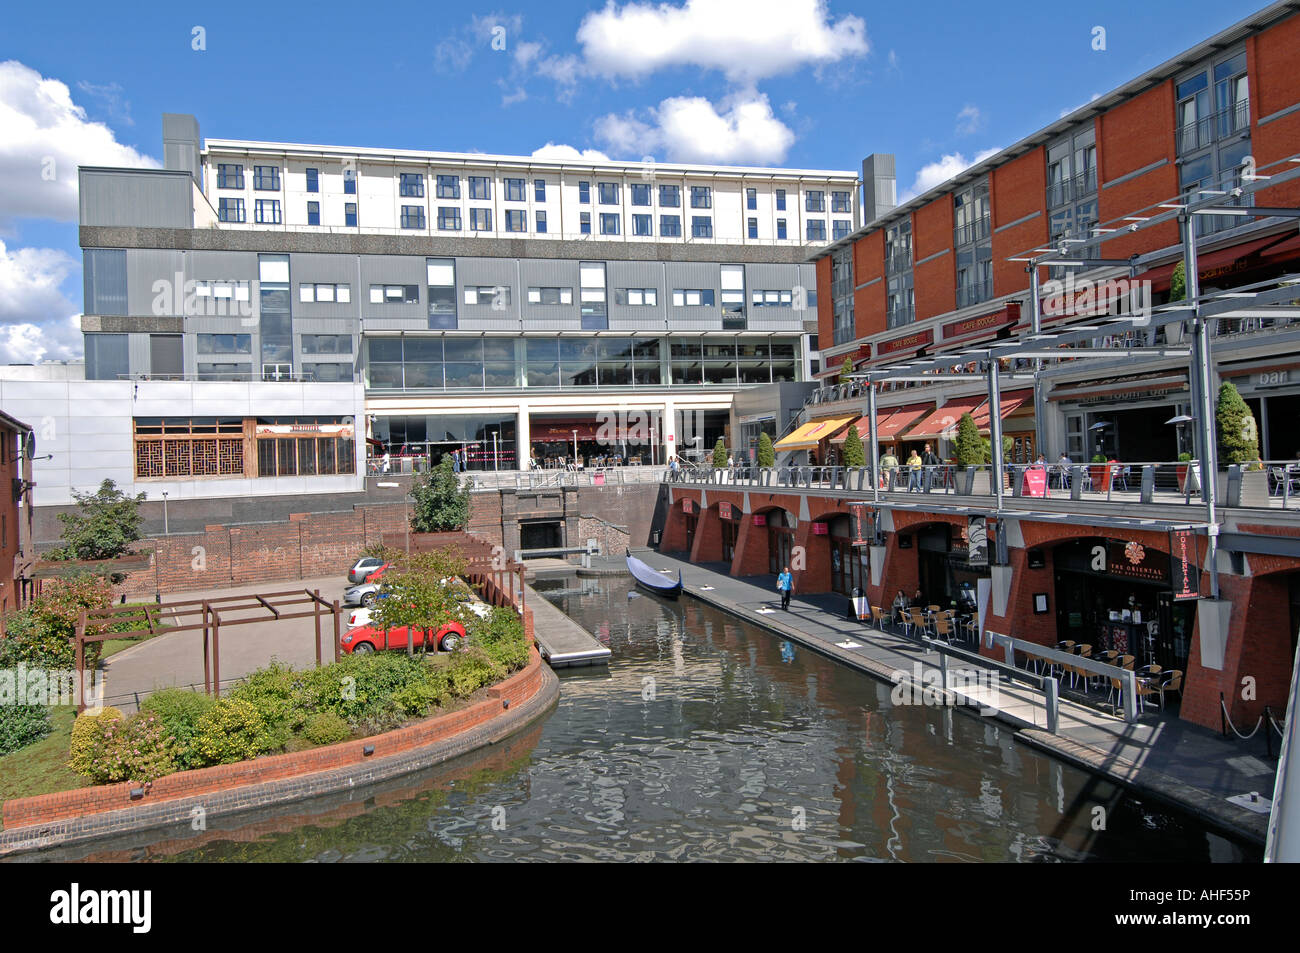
(496, 450)
(166, 528)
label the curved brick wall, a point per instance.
(86, 813)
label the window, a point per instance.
(266, 178)
(106, 357)
(733, 297)
(609, 223)
(971, 214)
(340, 372)
(641, 226)
(324, 293)
(516, 219)
(515, 190)
(230, 176)
(104, 280)
(701, 226)
(670, 226)
(780, 200)
(448, 218)
(350, 214)
(751, 199)
(480, 219)
(773, 299)
(898, 247)
(313, 213)
(295, 446)
(442, 293)
(541, 223)
(327, 344)
(394, 294)
(225, 344)
(816, 230)
(842, 295)
(693, 298)
(584, 223)
(225, 372)
(584, 193)
(411, 185)
(349, 180)
(480, 187)
(183, 447)
(591, 296)
(670, 196)
(230, 210)
(840, 202)
(701, 196)
(781, 229)
(448, 186)
(636, 297)
(550, 296)
(267, 212)
(313, 180)
(498, 296)
(752, 225)
(607, 192)
(814, 201)
(640, 193)
(412, 216)
(840, 228)
(539, 190)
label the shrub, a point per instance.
(855, 455)
(20, 725)
(107, 747)
(471, 670)
(43, 634)
(234, 729)
(325, 728)
(441, 502)
(766, 453)
(1238, 432)
(86, 751)
(719, 454)
(501, 636)
(968, 448)
(274, 691)
(180, 712)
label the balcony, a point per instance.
(1072, 189)
(1226, 122)
(899, 317)
(971, 232)
(899, 261)
(973, 292)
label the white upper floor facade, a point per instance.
(310, 188)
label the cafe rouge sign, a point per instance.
(1126, 559)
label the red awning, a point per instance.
(1215, 264)
(889, 424)
(1010, 403)
(943, 421)
(862, 425)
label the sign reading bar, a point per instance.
(1184, 573)
(910, 342)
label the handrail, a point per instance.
(1283, 841)
(1128, 678)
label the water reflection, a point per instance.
(709, 739)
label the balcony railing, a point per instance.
(973, 292)
(972, 231)
(899, 317)
(898, 262)
(1226, 122)
(1072, 189)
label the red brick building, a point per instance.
(16, 552)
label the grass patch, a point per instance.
(113, 646)
(42, 767)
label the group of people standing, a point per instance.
(915, 466)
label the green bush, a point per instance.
(969, 446)
(719, 454)
(501, 636)
(274, 692)
(20, 725)
(766, 452)
(1238, 432)
(87, 747)
(180, 712)
(107, 747)
(234, 729)
(325, 728)
(43, 634)
(470, 671)
(855, 455)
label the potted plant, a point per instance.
(1185, 467)
(969, 451)
(855, 455)
(1100, 475)
(1238, 438)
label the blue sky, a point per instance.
(774, 82)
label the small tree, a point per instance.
(106, 526)
(1238, 432)
(855, 455)
(441, 502)
(423, 593)
(766, 454)
(719, 453)
(846, 369)
(986, 449)
(1178, 283)
(969, 447)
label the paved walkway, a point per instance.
(1160, 754)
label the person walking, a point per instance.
(385, 463)
(888, 464)
(784, 582)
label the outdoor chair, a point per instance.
(943, 627)
(919, 621)
(1171, 681)
(1146, 688)
(879, 614)
(1125, 661)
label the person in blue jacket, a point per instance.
(784, 583)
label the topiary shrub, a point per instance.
(325, 728)
(234, 729)
(855, 455)
(180, 712)
(719, 454)
(766, 454)
(969, 446)
(1238, 433)
(21, 725)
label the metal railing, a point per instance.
(546, 479)
(973, 292)
(1263, 485)
(1202, 132)
(1075, 187)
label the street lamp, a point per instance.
(1179, 422)
(166, 529)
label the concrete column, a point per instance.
(668, 424)
(523, 437)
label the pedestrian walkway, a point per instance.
(1159, 755)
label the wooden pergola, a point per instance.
(207, 616)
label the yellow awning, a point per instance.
(812, 433)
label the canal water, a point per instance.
(708, 738)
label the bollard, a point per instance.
(1051, 692)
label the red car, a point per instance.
(368, 638)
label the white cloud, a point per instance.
(969, 121)
(742, 129)
(1066, 112)
(747, 40)
(558, 151)
(37, 322)
(943, 169)
(46, 136)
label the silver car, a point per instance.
(363, 594)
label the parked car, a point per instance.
(369, 638)
(367, 569)
(362, 594)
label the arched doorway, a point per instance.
(729, 516)
(848, 564)
(691, 518)
(780, 539)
